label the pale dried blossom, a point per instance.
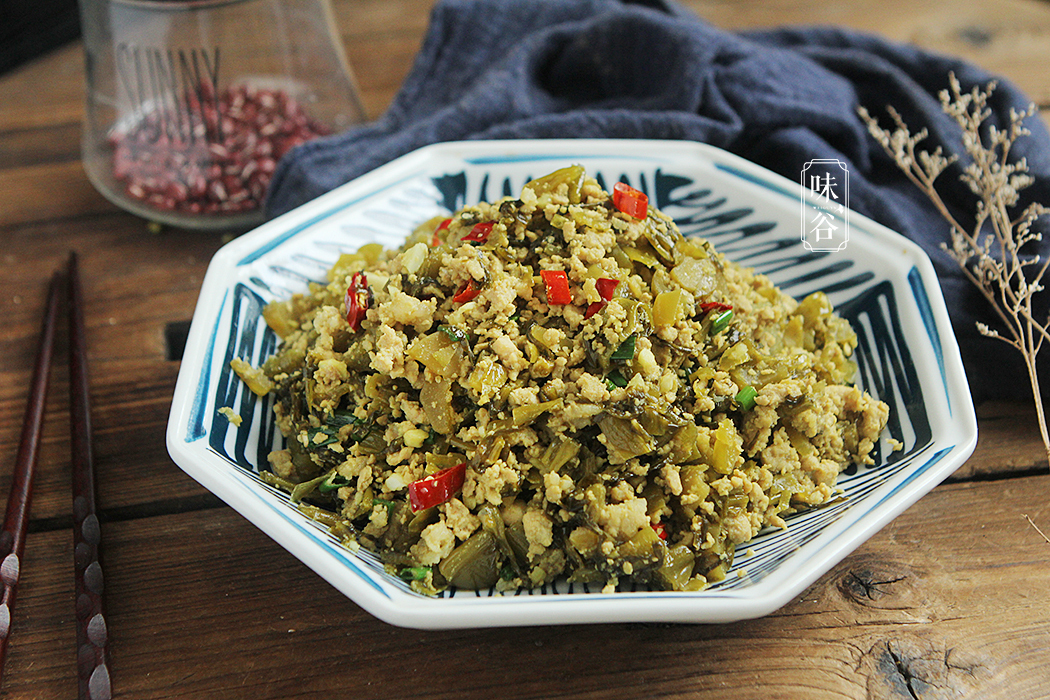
(990, 251)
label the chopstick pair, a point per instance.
(92, 636)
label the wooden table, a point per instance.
(950, 600)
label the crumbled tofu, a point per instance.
(281, 463)
(622, 520)
(407, 310)
(539, 530)
(435, 543)
(460, 519)
(390, 352)
(232, 416)
(509, 354)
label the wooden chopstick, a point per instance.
(12, 537)
(92, 635)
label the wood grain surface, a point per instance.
(948, 601)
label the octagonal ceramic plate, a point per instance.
(880, 281)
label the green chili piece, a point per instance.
(414, 573)
(745, 398)
(615, 379)
(626, 349)
(721, 322)
(454, 333)
(332, 483)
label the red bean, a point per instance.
(195, 163)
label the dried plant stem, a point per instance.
(1030, 522)
(989, 252)
(1037, 396)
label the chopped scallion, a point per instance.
(745, 398)
(721, 322)
(414, 573)
(333, 483)
(454, 333)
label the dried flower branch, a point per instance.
(990, 251)
(1030, 522)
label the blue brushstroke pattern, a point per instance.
(196, 430)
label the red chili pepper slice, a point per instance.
(479, 232)
(715, 305)
(437, 488)
(356, 300)
(557, 283)
(661, 531)
(467, 291)
(606, 287)
(435, 241)
(630, 201)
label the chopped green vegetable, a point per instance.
(275, 481)
(473, 564)
(454, 333)
(341, 417)
(414, 573)
(745, 398)
(626, 350)
(332, 483)
(524, 415)
(321, 515)
(572, 177)
(304, 489)
(677, 568)
(666, 306)
(616, 379)
(721, 322)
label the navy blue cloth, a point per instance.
(617, 69)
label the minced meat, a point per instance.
(560, 385)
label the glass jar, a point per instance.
(191, 103)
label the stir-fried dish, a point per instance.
(559, 385)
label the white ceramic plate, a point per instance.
(881, 282)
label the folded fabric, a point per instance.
(492, 69)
